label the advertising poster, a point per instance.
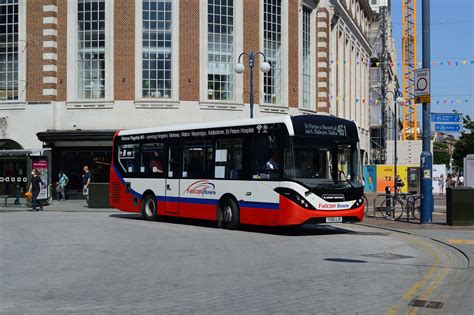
(384, 177)
(370, 177)
(439, 178)
(42, 167)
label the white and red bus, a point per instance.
(275, 171)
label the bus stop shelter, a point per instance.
(15, 174)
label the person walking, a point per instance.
(63, 180)
(35, 188)
(86, 181)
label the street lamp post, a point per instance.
(264, 67)
(398, 101)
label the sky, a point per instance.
(452, 39)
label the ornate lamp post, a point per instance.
(264, 67)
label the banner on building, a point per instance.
(386, 177)
(370, 176)
(439, 178)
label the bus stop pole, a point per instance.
(426, 157)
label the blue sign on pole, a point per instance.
(448, 127)
(446, 118)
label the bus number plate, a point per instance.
(334, 220)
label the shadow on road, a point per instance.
(304, 230)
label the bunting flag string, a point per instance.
(439, 63)
(375, 102)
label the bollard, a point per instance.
(388, 203)
(17, 195)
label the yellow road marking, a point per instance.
(393, 310)
(410, 293)
(461, 242)
(435, 282)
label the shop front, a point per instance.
(73, 149)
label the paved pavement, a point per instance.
(72, 259)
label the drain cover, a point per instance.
(425, 303)
(387, 256)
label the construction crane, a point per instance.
(409, 121)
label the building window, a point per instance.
(91, 49)
(220, 23)
(272, 49)
(9, 50)
(306, 58)
(156, 49)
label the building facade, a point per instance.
(74, 71)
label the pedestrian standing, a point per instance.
(35, 188)
(461, 180)
(399, 183)
(441, 184)
(86, 180)
(63, 180)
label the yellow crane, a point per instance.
(409, 119)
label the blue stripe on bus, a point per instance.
(261, 205)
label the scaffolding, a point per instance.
(409, 119)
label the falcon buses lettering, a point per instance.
(202, 187)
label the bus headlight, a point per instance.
(358, 202)
(294, 196)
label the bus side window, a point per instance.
(128, 157)
(228, 159)
(198, 160)
(265, 159)
(152, 159)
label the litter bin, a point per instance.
(99, 195)
(460, 206)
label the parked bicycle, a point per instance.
(393, 207)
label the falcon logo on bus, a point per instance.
(201, 187)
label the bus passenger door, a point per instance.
(172, 182)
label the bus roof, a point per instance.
(296, 125)
(217, 124)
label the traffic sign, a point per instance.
(422, 82)
(447, 127)
(446, 118)
(422, 99)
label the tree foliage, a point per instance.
(465, 144)
(441, 154)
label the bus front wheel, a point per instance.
(149, 208)
(230, 215)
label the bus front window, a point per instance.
(316, 163)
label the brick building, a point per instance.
(73, 71)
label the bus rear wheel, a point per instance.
(149, 208)
(230, 214)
